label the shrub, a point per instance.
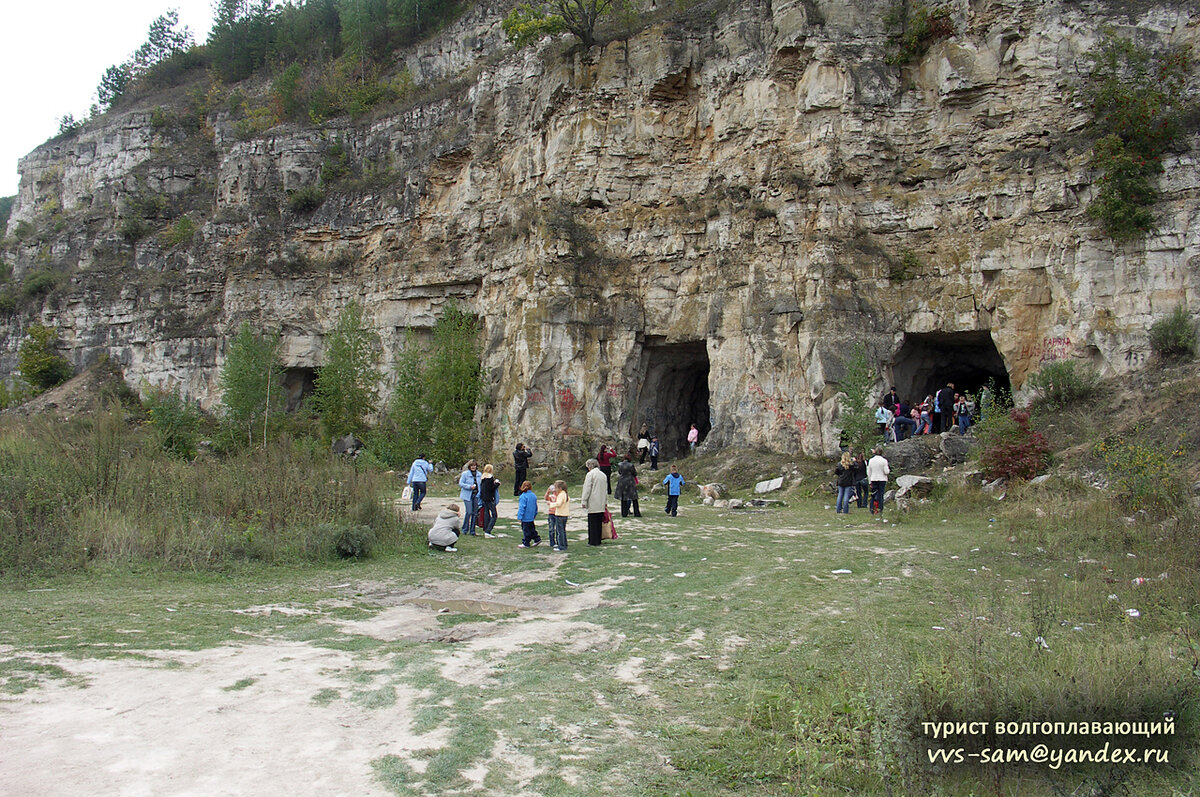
(40, 283)
(1144, 475)
(8, 302)
(915, 32)
(354, 542)
(1174, 337)
(176, 422)
(856, 416)
(38, 360)
(1012, 450)
(1138, 98)
(1064, 382)
(306, 200)
(251, 369)
(182, 231)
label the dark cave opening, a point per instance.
(927, 361)
(298, 384)
(674, 394)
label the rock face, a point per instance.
(694, 226)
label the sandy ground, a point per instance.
(249, 719)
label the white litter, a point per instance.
(680, 575)
(939, 628)
(1041, 641)
(1113, 598)
(570, 583)
(1133, 613)
(840, 572)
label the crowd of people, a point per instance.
(863, 481)
(479, 497)
(939, 412)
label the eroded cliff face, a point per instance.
(694, 226)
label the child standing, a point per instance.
(674, 484)
(527, 510)
(558, 517)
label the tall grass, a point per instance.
(100, 488)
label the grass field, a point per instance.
(720, 652)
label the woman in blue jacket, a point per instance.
(526, 511)
(468, 491)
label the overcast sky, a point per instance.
(52, 54)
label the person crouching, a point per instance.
(446, 528)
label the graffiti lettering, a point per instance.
(772, 405)
(568, 405)
(535, 397)
(1134, 357)
(615, 389)
(1047, 350)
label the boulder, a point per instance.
(735, 503)
(713, 490)
(1045, 477)
(439, 467)
(349, 445)
(958, 448)
(913, 486)
(768, 486)
(915, 453)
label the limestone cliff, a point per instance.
(693, 226)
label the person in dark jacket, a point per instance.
(845, 483)
(605, 457)
(521, 463)
(945, 413)
(627, 487)
(861, 486)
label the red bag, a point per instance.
(479, 521)
(608, 529)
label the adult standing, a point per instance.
(877, 473)
(693, 438)
(594, 499)
(605, 457)
(521, 465)
(643, 444)
(945, 407)
(468, 491)
(845, 483)
(418, 480)
(489, 494)
(861, 485)
(891, 398)
(627, 487)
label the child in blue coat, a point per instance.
(527, 510)
(674, 484)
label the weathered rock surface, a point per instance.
(689, 227)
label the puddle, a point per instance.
(465, 606)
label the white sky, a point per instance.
(52, 54)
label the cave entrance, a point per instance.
(926, 361)
(298, 384)
(674, 393)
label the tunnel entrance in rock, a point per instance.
(673, 394)
(926, 361)
(298, 384)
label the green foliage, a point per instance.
(97, 489)
(113, 84)
(857, 416)
(166, 44)
(913, 29)
(41, 282)
(13, 392)
(527, 24)
(1174, 337)
(347, 387)
(286, 90)
(175, 421)
(433, 407)
(250, 385)
(1138, 98)
(907, 267)
(306, 200)
(6, 206)
(1145, 475)
(354, 542)
(8, 301)
(68, 126)
(38, 360)
(1062, 383)
(1011, 449)
(182, 231)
